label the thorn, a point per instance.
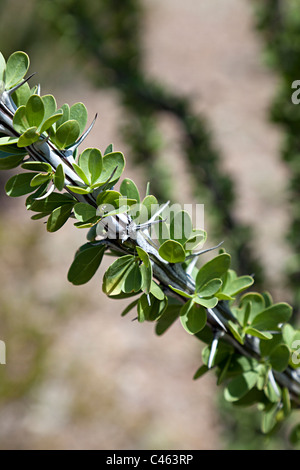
(109, 180)
(12, 90)
(50, 191)
(191, 266)
(148, 224)
(204, 251)
(158, 212)
(273, 383)
(149, 301)
(147, 189)
(216, 318)
(84, 135)
(213, 348)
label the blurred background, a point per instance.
(198, 97)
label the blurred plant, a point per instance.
(108, 36)
(250, 344)
(279, 23)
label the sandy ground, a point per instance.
(110, 382)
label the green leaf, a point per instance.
(253, 397)
(196, 237)
(107, 200)
(16, 68)
(214, 269)
(39, 216)
(78, 112)
(224, 370)
(84, 212)
(286, 401)
(236, 331)
(37, 166)
(109, 149)
(156, 291)
(85, 264)
(288, 333)
(114, 276)
(167, 319)
(271, 393)
(129, 189)
(90, 161)
(205, 335)
(193, 317)
(149, 204)
(50, 106)
(279, 357)
(172, 252)
(120, 210)
(210, 288)
(233, 284)
(258, 334)
(21, 95)
(20, 122)
(262, 371)
(67, 134)
(34, 111)
(181, 227)
(146, 269)
(240, 385)
(267, 346)
(65, 109)
(111, 162)
(50, 203)
(59, 177)
(146, 272)
(162, 231)
(39, 179)
(78, 189)
(269, 420)
(59, 217)
(271, 317)
(88, 224)
(29, 137)
(150, 312)
(18, 185)
(181, 292)
(133, 280)
(295, 435)
(9, 145)
(200, 372)
(143, 255)
(8, 161)
(38, 192)
(257, 304)
(129, 307)
(206, 302)
(81, 173)
(2, 67)
(95, 164)
(50, 121)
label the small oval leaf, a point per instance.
(172, 251)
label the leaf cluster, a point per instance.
(249, 341)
